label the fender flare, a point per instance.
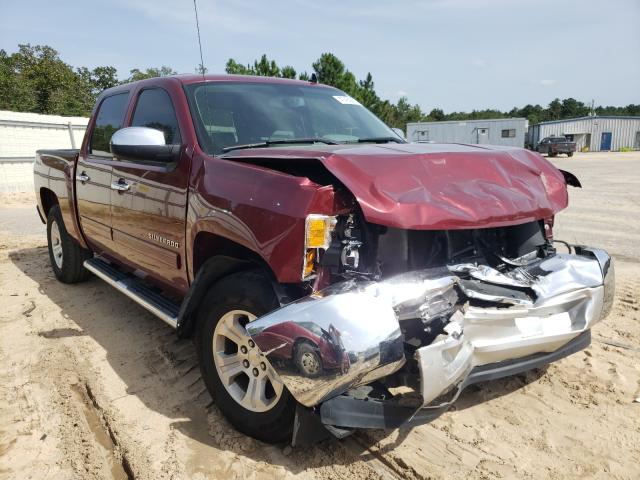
(213, 270)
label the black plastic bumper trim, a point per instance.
(349, 412)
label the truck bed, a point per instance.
(68, 154)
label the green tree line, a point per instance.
(36, 79)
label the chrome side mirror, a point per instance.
(143, 144)
(399, 132)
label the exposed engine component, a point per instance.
(344, 257)
(350, 255)
(503, 247)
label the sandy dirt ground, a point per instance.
(94, 387)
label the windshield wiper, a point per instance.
(381, 140)
(286, 141)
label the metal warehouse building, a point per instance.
(500, 131)
(594, 134)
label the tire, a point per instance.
(569, 154)
(307, 360)
(66, 256)
(239, 298)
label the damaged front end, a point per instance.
(401, 349)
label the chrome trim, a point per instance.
(356, 324)
(125, 287)
(354, 331)
(83, 177)
(138, 136)
(608, 272)
(571, 295)
(120, 186)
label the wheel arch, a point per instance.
(214, 258)
(300, 340)
(48, 199)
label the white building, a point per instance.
(500, 131)
(592, 134)
(21, 134)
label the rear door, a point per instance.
(149, 217)
(93, 173)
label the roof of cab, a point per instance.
(194, 78)
(190, 78)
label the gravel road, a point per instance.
(94, 387)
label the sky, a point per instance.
(450, 54)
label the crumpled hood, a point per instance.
(438, 186)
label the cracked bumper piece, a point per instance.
(347, 411)
(349, 334)
(572, 293)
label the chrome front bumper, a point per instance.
(355, 326)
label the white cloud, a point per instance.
(229, 17)
(401, 93)
(480, 63)
(548, 82)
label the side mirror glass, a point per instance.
(143, 144)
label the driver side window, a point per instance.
(155, 110)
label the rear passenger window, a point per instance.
(155, 110)
(109, 119)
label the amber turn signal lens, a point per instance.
(316, 228)
(318, 231)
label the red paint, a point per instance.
(413, 186)
(439, 187)
(283, 338)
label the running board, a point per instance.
(135, 289)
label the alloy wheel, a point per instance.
(244, 371)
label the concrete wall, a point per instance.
(21, 134)
(470, 131)
(587, 132)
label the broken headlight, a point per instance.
(318, 231)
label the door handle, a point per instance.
(83, 177)
(120, 186)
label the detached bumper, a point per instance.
(575, 292)
(533, 315)
(350, 412)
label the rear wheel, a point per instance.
(66, 256)
(569, 154)
(241, 381)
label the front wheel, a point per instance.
(307, 359)
(242, 382)
(570, 154)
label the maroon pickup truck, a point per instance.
(334, 277)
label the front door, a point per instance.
(93, 174)
(605, 142)
(149, 216)
(483, 136)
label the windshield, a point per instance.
(228, 114)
